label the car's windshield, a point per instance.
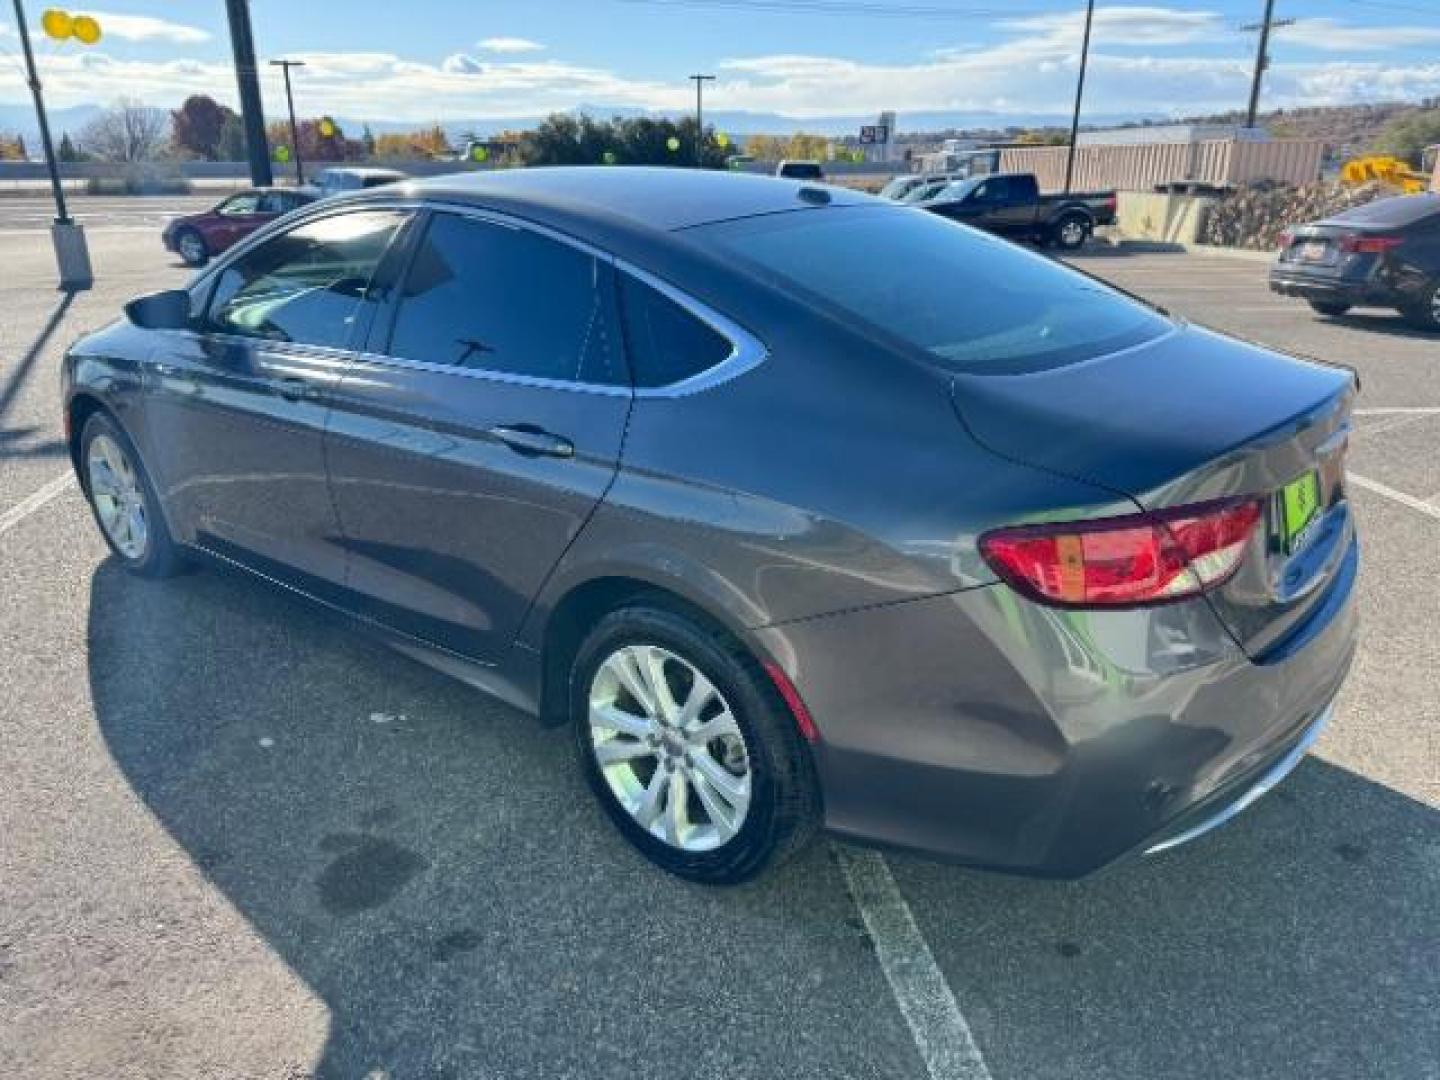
(972, 301)
(896, 187)
(959, 189)
(923, 192)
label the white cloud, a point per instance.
(1127, 25)
(1331, 35)
(145, 28)
(509, 45)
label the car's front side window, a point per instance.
(487, 296)
(239, 204)
(306, 285)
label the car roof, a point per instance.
(1398, 210)
(654, 198)
(361, 170)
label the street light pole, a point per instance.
(286, 65)
(1079, 94)
(72, 254)
(62, 212)
(700, 81)
(242, 44)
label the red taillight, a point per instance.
(1369, 245)
(1125, 561)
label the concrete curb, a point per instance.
(1110, 246)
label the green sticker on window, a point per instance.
(1302, 502)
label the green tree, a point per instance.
(562, 139)
(1407, 136)
(67, 151)
(367, 139)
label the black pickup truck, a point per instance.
(1010, 205)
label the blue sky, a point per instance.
(444, 59)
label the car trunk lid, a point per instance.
(1189, 418)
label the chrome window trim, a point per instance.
(746, 351)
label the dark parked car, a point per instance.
(1010, 205)
(948, 547)
(196, 238)
(800, 170)
(1382, 254)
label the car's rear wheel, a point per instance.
(191, 247)
(689, 747)
(124, 501)
(1071, 231)
(1425, 315)
(1329, 308)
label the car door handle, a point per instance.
(532, 441)
(292, 389)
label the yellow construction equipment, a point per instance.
(1388, 170)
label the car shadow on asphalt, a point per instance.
(431, 865)
(1383, 322)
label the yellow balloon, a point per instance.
(86, 29)
(722, 140)
(57, 24)
(327, 127)
(672, 144)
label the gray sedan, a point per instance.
(799, 508)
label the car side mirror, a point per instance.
(167, 310)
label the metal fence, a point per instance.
(1217, 163)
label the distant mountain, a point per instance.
(19, 119)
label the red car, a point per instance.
(196, 237)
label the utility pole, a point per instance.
(294, 130)
(1262, 58)
(1079, 95)
(242, 43)
(71, 252)
(700, 81)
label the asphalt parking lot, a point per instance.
(238, 839)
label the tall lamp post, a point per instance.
(700, 81)
(1079, 95)
(286, 65)
(71, 253)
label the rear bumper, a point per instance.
(981, 728)
(1290, 281)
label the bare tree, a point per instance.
(127, 131)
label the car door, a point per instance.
(236, 218)
(236, 406)
(471, 441)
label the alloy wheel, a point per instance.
(1072, 232)
(192, 248)
(118, 496)
(669, 747)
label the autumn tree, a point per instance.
(197, 126)
(12, 148)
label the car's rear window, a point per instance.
(1400, 210)
(972, 301)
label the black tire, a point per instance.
(784, 809)
(191, 248)
(161, 557)
(1426, 314)
(1331, 309)
(1071, 231)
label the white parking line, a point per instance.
(27, 506)
(1420, 505)
(939, 1030)
(1401, 410)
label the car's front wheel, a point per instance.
(1425, 314)
(191, 247)
(689, 747)
(124, 501)
(1331, 309)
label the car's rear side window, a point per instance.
(1398, 211)
(970, 300)
(482, 295)
(306, 285)
(666, 343)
